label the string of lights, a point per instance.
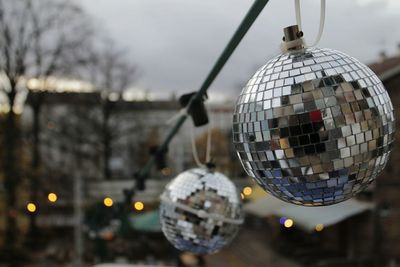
(244, 26)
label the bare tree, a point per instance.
(38, 39)
(111, 73)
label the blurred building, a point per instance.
(73, 139)
(387, 187)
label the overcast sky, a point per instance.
(175, 42)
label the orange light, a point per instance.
(319, 227)
(138, 205)
(108, 202)
(288, 223)
(247, 191)
(31, 207)
(52, 197)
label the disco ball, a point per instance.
(200, 211)
(313, 126)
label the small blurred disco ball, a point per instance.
(200, 211)
(313, 127)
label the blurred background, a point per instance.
(86, 90)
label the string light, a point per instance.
(319, 227)
(244, 26)
(166, 171)
(138, 205)
(247, 191)
(288, 223)
(52, 197)
(108, 202)
(31, 207)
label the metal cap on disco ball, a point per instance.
(313, 126)
(200, 211)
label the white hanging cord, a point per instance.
(298, 14)
(208, 151)
(321, 22)
(321, 19)
(208, 147)
(194, 150)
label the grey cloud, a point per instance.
(175, 42)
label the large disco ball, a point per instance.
(313, 126)
(200, 211)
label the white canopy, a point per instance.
(307, 217)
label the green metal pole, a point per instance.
(241, 31)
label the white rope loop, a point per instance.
(208, 151)
(208, 147)
(286, 45)
(194, 150)
(184, 112)
(321, 20)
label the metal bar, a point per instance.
(241, 31)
